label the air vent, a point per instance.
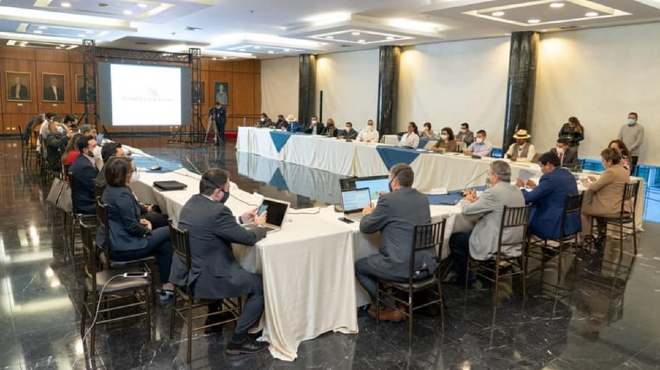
(191, 28)
(568, 27)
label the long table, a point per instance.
(307, 267)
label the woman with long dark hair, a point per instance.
(573, 131)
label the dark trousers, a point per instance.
(633, 165)
(158, 245)
(252, 310)
(459, 245)
(368, 274)
(157, 220)
(220, 128)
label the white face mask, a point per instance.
(444, 136)
(464, 130)
(370, 128)
(480, 140)
(314, 122)
(262, 119)
(631, 121)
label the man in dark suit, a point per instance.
(53, 92)
(315, 127)
(18, 91)
(218, 114)
(548, 199)
(83, 173)
(215, 273)
(395, 217)
(567, 155)
(349, 132)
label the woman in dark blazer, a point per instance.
(131, 236)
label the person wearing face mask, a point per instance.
(411, 137)
(481, 241)
(264, 121)
(604, 195)
(465, 136)
(620, 147)
(315, 127)
(395, 216)
(447, 143)
(481, 146)
(548, 199)
(82, 173)
(369, 134)
(331, 128)
(281, 123)
(130, 236)
(632, 134)
(427, 131)
(349, 132)
(521, 150)
(567, 155)
(215, 274)
(56, 141)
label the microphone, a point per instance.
(197, 171)
(474, 178)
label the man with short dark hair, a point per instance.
(315, 127)
(112, 149)
(215, 274)
(567, 155)
(548, 199)
(465, 136)
(395, 217)
(218, 114)
(349, 132)
(480, 146)
(632, 134)
(83, 172)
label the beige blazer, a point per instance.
(605, 195)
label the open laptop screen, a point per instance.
(375, 185)
(355, 200)
(276, 212)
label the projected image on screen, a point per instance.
(145, 95)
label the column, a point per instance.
(306, 87)
(388, 84)
(521, 81)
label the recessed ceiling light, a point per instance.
(43, 27)
(128, 12)
(355, 33)
(390, 38)
(498, 14)
(142, 5)
(82, 35)
(533, 21)
(361, 41)
(65, 4)
(329, 37)
(257, 47)
(591, 14)
(271, 52)
(557, 5)
(38, 31)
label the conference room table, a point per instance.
(307, 267)
(434, 172)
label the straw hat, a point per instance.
(522, 134)
(290, 118)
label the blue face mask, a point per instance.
(631, 122)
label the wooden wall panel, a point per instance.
(243, 77)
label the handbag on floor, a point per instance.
(64, 201)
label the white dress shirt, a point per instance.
(409, 139)
(369, 136)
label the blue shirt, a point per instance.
(294, 127)
(481, 149)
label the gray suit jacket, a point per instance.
(212, 228)
(490, 205)
(395, 217)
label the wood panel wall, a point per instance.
(243, 77)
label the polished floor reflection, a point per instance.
(604, 317)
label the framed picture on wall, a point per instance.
(222, 92)
(18, 86)
(198, 92)
(53, 84)
(83, 94)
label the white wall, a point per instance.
(599, 75)
(350, 86)
(279, 86)
(453, 82)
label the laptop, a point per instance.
(276, 212)
(353, 201)
(169, 185)
(376, 185)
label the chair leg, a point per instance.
(559, 267)
(173, 315)
(442, 307)
(377, 302)
(190, 330)
(634, 235)
(148, 306)
(620, 242)
(410, 314)
(524, 278)
(92, 334)
(497, 281)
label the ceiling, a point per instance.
(267, 29)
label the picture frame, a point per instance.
(18, 85)
(221, 93)
(53, 87)
(81, 93)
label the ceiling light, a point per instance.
(43, 27)
(591, 14)
(390, 38)
(415, 25)
(533, 21)
(557, 5)
(65, 4)
(142, 5)
(287, 50)
(361, 41)
(329, 37)
(498, 14)
(262, 39)
(328, 18)
(225, 57)
(271, 52)
(355, 33)
(241, 50)
(127, 12)
(214, 58)
(257, 47)
(53, 18)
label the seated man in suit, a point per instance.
(481, 241)
(395, 217)
(349, 132)
(315, 127)
(567, 155)
(215, 273)
(83, 173)
(548, 199)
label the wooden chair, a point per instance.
(428, 237)
(625, 220)
(184, 301)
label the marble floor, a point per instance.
(608, 317)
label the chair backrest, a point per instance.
(90, 255)
(513, 218)
(427, 237)
(630, 191)
(572, 207)
(180, 244)
(102, 215)
(98, 191)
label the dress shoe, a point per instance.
(387, 314)
(248, 346)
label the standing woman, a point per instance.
(574, 131)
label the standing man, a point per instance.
(219, 115)
(632, 134)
